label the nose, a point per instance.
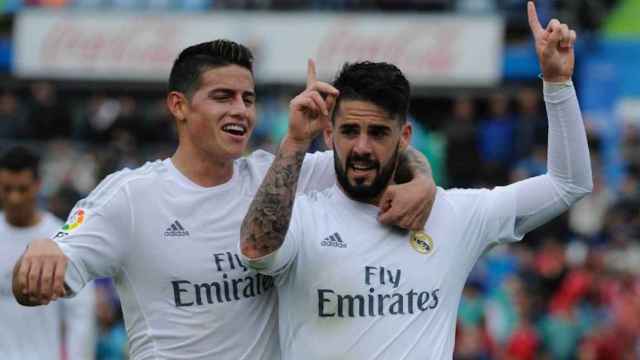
(362, 146)
(13, 197)
(239, 107)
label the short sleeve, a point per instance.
(317, 173)
(95, 236)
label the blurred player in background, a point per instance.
(168, 231)
(350, 288)
(35, 333)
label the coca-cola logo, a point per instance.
(413, 48)
(145, 44)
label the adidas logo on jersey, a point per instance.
(333, 240)
(176, 229)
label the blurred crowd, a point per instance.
(570, 290)
(580, 13)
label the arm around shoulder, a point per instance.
(408, 204)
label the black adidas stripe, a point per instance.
(179, 225)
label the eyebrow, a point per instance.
(380, 127)
(349, 126)
(228, 91)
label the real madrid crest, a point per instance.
(421, 242)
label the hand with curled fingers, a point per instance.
(310, 111)
(554, 46)
(38, 276)
(408, 205)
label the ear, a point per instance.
(405, 136)
(328, 136)
(177, 104)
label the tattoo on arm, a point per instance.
(267, 221)
(411, 163)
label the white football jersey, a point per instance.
(34, 333)
(171, 247)
(351, 288)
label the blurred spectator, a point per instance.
(471, 343)
(550, 265)
(12, 117)
(524, 342)
(157, 126)
(587, 217)
(560, 333)
(531, 123)
(534, 164)
(62, 200)
(631, 145)
(65, 165)
(501, 311)
(99, 118)
(462, 161)
(272, 123)
(112, 341)
(432, 144)
(495, 137)
(35, 332)
(49, 117)
(472, 303)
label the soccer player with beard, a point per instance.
(35, 333)
(167, 232)
(351, 288)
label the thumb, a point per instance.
(554, 32)
(384, 216)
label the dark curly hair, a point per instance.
(378, 82)
(196, 59)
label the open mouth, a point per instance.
(362, 166)
(235, 129)
(361, 171)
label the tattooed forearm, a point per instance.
(266, 223)
(411, 163)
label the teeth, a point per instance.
(234, 127)
(361, 167)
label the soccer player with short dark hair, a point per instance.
(35, 333)
(352, 288)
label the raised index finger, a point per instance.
(311, 73)
(534, 23)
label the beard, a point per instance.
(360, 191)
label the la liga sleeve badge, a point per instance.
(75, 220)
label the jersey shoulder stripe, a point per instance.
(115, 181)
